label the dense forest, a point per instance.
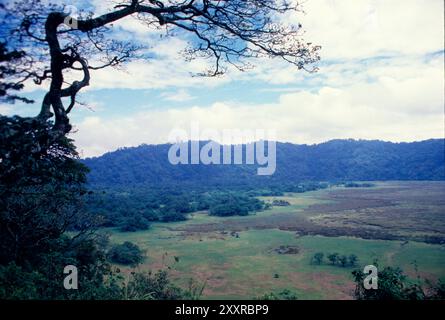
(336, 160)
(133, 187)
(135, 209)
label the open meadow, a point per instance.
(398, 223)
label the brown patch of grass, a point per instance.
(401, 211)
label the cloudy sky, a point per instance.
(381, 77)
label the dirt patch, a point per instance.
(332, 286)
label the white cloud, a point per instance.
(179, 96)
(167, 69)
(356, 29)
(358, 94)
(346, 29)
(5, 109)
(402, 104)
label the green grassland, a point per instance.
(236, 258)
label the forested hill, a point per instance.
(336, 160)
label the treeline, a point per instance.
(231, 204)
(135, 209)
(357, 185)
(336, 160)
(335, 259)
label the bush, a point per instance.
(336, 259)
(283, 295)
(353, 259)
(358, 185)
(394, 284)
(343, 260)
(134, 223)
(333, 258)
(127, 253)
(148, 286)
(173, 216)
(280, 203)
(228, 210)
(230, 204)
(318, 258)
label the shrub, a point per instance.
(172, 216)
(318, 258)
(283, 295)
(148, 286)
(280, 203)
(134, 223)
(127, 253)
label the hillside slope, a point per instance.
(335, 160)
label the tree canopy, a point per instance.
(228, 32)
(42, 183)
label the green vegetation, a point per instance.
(358, 185)
(336, 259)
(231, 204)
(126, 253)
(134, 223)
(44, 225)
(223, 229)
(342, 161)
(241, 268)
(318, 258)
(282, 295)
(231, 256)
(135, 209)
(41, 185)
(280, 203)
(394, 284)
(353, 260)
(333, 258)
(149, 286)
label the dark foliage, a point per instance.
(41, 188)
(133, 209)
(134, 223)
(318, 258)
(335, 259)
(141, 181)
(41, 183)
(282, 295)
(280, 203)
(41, 198)
(393, 284)
(230, 204)
(149, 286)
(358, 185)
(337, 160)
(126, 253)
